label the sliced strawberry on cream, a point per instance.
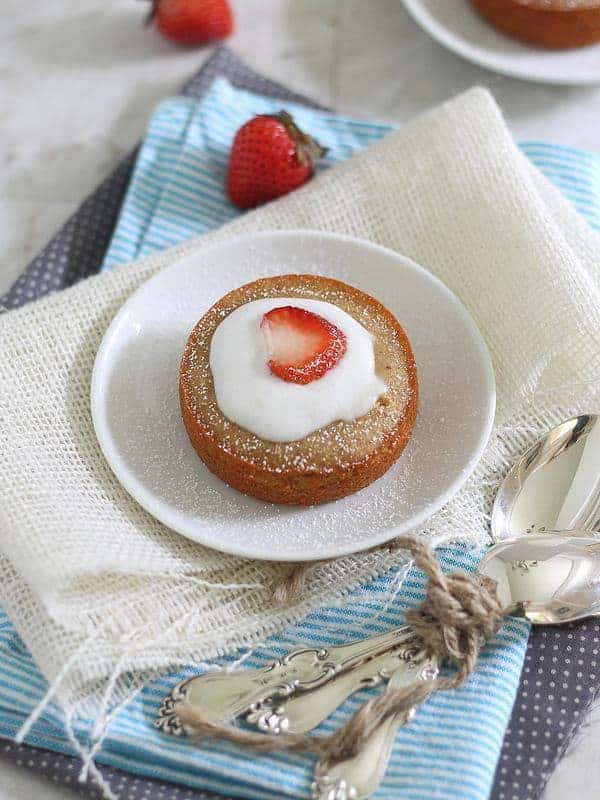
(253, 396)
(302, 346)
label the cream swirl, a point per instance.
(251, 396)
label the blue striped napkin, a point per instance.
(451, 748)
(448, 751)
(176, 190)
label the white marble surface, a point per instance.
(79, 80)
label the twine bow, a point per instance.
(459, 614)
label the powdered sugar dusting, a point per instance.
(274, 409)
(145, 421)
(560, 5)
(339, 444)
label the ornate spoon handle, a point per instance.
(222, 696)
(358, 777)
(302, 712)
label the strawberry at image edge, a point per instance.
(192, 21)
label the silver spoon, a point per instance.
(299, 714)
(548, 578)
(221, 696)
(360, 775)
(555, 485)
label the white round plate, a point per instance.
(135, 405)
(457, 25)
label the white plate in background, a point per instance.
(135, 404)
(457, 25)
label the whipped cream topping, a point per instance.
(251, 396)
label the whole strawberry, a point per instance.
(192, 21)
(269, 157)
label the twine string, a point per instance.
(293, 584)
(459, 614)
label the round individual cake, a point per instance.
(549, 23)
(298, 389)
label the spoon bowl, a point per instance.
(555, 485)
(550, 578)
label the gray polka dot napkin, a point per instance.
(64, 770)
(559, 678)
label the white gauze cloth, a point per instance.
(101, 593)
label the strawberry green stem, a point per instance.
(308, 150)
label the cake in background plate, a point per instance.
(298, 389)
(557, 24)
